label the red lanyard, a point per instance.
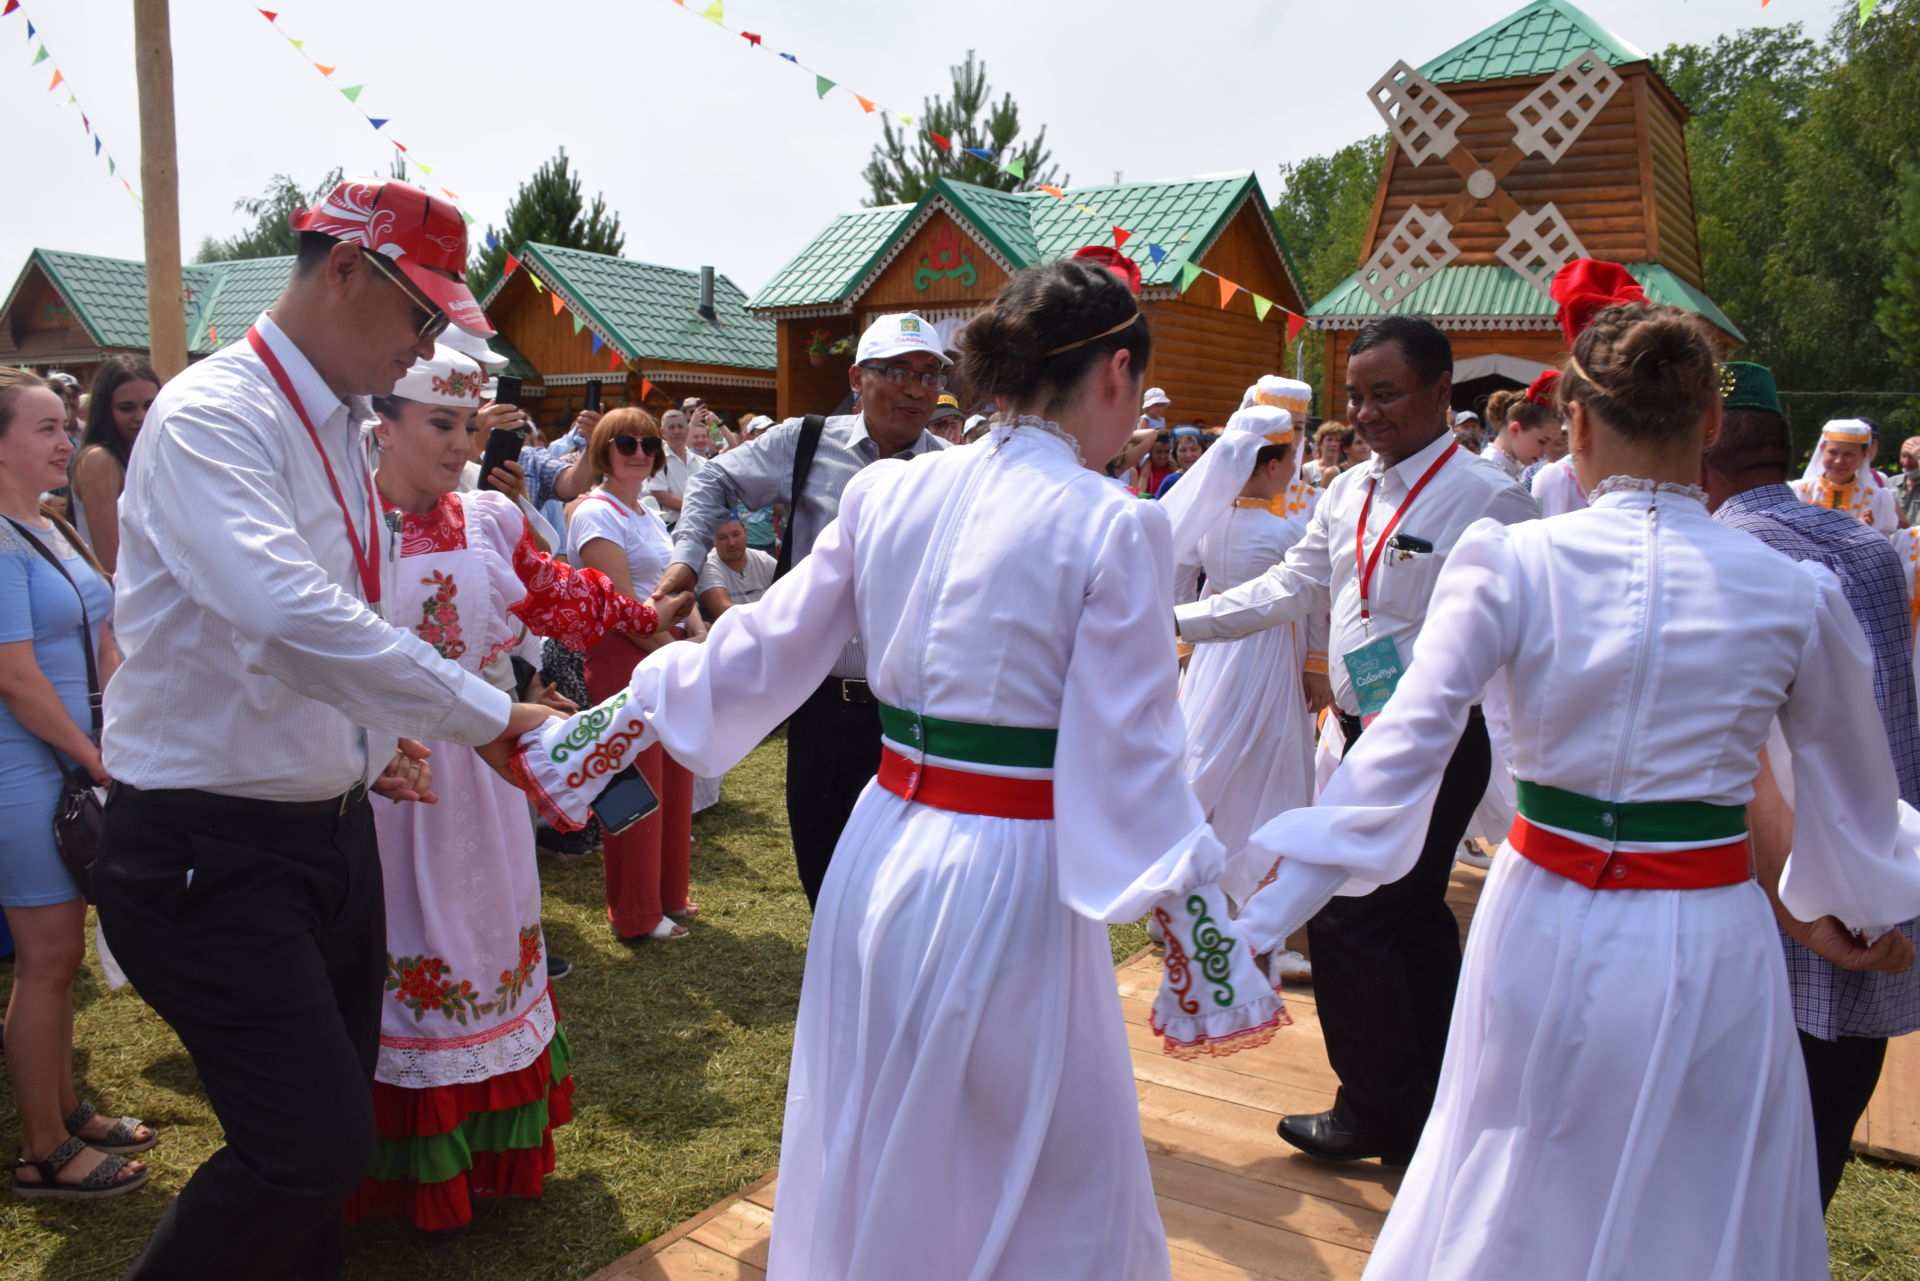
(1366, 564)
(363, 556)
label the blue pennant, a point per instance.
(1156, 253)
(376, 123)
(29, 28)
(493, 241)
(96, 144)
(790, 58)
(598, 342)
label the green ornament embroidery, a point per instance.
(589, 727)
(1212, 950)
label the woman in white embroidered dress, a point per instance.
(1623, 1094)
(961, 1102)
(472, 1074)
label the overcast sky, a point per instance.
(711, 152)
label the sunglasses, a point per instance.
(436, 320)
(631, 445)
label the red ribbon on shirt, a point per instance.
(364, 557)
(1366, 564)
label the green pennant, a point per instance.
(578, 323)
(301, 45)
(1261, 307)
(716, 12)
(352, 94)
(1866, 10)
(1017, 167)
(466, 217)
(821, 84)
(111, 167)
(1189, 272)
(40, 57)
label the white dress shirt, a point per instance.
(1321, 567)
(252, 661)
(673, 480)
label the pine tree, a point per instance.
(907, 161)
(548, 209)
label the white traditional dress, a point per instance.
(1863, 497)
(1557, 488)
(961, 1102)
(1907, 543)
(1623, 1095)
(472, 1073)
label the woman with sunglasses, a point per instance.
(472, 1073)
(613, 531)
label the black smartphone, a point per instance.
(628, 798)
(507, 390)
(1408, 543)
(503, 446)
(593, 395)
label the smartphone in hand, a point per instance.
(628, 798)
(503, 446)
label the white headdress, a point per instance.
(1205, 494)
(450, 378)
(1854, 431)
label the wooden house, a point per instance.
(68, 312)
(652, 335)
(1542, 139)
(948, 254)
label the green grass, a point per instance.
(681, 1062)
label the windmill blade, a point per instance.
(1547, 121)
(1424, 121)
(1538, 245)
(1419, 245)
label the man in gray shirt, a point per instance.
(833, 740)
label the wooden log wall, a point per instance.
(39, 330)
(1543, 345)
(923, 274)
(803, 387)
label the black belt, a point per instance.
(1351, 725)
(244, 806)
(845, 689)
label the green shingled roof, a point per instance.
(109, 296)
(1503, 292)
(650, 312)
(1536, 41)
(1181, 217)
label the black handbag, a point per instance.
(80, 811)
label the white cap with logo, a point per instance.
(898, 335)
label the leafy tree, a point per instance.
(1326, 203)
(1899, 309)
(906, 161)
(550, 210)
(270, 237)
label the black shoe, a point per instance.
(558, 967)
(1326, 1136)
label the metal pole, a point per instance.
(160, 187)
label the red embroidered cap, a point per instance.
(1542, 390)
(420, 234)
(1114, 261)
(1586, 287)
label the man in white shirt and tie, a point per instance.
(1385, 964)
(260, 701)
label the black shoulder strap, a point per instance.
(810, 428)
(86, 624)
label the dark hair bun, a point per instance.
(1013, 348)
(1644, 368)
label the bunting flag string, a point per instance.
(352, 94)
(1017, 167)
(599, 343)
(41, 54)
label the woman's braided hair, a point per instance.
(1012, 349)
(1644, 368)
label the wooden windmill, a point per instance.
(1542, 139)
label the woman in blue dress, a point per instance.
(67, 1149)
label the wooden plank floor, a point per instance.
(1235, 1204)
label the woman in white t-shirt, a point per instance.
(612, 531)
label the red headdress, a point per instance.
(1541, 392)
(1586, 287)
(1114, 261)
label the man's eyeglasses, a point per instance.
(900, 375)
(436, 320)
(631, 445)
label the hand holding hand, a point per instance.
(523, 718)
(546, 695)
(408, 776)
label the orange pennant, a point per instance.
(1227, 290)
(323, 69)
(646, 389)
(557, 304)
(57, 78)
(865, 105)
(1055, 192)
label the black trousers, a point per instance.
(268, 964)
(1841, 1076)
(833, 749)
(1385, 966)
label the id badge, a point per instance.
(1374, 669)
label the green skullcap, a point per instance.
(1745, 385)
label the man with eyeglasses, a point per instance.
(262, 698)
(833, 740)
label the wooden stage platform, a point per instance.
(1236, 1204)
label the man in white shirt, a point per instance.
(735, 574)
(669, 487)
(1385, 964)
(260, 701)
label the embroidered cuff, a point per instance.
(1316, 664)
(565, 764)
(1213, 999)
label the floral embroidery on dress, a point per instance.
(439, 624)
(421, 984)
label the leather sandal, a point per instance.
(104, 1180)
(122, 1140)
(686, 914)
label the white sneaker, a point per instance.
(1292, 967)
(1470, 855)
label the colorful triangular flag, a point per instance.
(324, 70)
(557, 304)
(1261, 306)
(981, 152)
(466, 217)
(30, 31)
(821, 84)
(598, 342)
(112, 168)
(1227, 290)
(538, 287)
(613, 361)
(1189, 272)
(352, 93)
(1085, 209)
(40, 57)
(55, 82)
(646, 389)
(511, 265)
(301, 45)
(1295, 323)
(423, 168)
(1017, 167)
(940, 141)
(905, 120)
(865, 104)
(96, 144)
(577, 322)
(1120, 237)
(15, 4)
(450, 195)
(493, 242)
(1866, 10)
(377, 121)
(790, 58)
(213, 334)
(268, 14)
(751, 37)
(1156, 253)
(1055, 192)
(716, 12)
